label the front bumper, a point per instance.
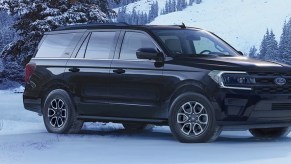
(236, 109)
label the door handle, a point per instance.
(119, 71)
(74, 69)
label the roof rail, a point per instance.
(89, 26)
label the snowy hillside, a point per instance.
(143, 5)
(242, 23)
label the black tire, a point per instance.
(195, 106)
(59, 113)
(137, 126)
(270, 133)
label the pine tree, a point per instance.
(154, 12)
(272, 47)
(166, 8)
(174, 5)
(198, 1)
(7, 34)
(285, 43)
(269, 47)
(253, 52)
(39, 16)
(121, 16)
(184, 4)
(179, 5)
(263, 48)
(113, 4)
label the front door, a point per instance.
(136, 85)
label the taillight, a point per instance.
(29, 69)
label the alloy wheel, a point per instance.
(57, 113)
(192, 118)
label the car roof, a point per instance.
(121, 26)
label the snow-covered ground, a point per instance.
(242, 23)
(23, 139)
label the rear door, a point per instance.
(136, 85)
(88, 73)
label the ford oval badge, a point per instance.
(280, 81)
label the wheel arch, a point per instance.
(53, 85)
(189, 86)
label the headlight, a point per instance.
(233, 79)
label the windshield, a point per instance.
(194, 43)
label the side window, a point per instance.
(206, 44)
(100, 45)
(132, 42)
(58, 45)
(172, 43)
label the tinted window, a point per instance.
(100, 45)
(132, 42)
(194, 43)
(58, 45)
(206, 44)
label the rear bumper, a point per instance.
(33, 105)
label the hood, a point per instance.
(233, 63)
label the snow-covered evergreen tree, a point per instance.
(181, 5)
(121, 15)
(154, 11)
(198, 1)
(177, 5)
(7, 33)
(272, 47)
(38, 16)
(269, 47)
(122, 3)
(253, 52)
(263, 47)
(138, 18)
(167, 8)
(173, 6)
(285, 43)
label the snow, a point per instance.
(242, 23)
(23, 139)
(143, 5)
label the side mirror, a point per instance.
(147, 53)
(241, 53)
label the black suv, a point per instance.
(187, 78)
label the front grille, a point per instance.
(265, 83)
(281, 106)
(272, 90)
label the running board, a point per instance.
(121, 119)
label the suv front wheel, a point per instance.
(192, 119)
(59, 113)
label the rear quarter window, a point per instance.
(58, 45)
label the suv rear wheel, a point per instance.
(192, 119)
(270, 132)
(59, 113)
